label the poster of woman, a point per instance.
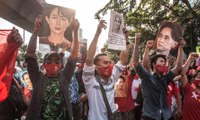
(116, 38)
(121, 86)
(55, 33)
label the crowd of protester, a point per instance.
(163, 85)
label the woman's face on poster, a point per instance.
(27, 80)
(165, 41)
(117, 23)
(57, 22)
(120, 83)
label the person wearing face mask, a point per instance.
(50, 99)
(154, 84)
(191, 106)
(99, 71)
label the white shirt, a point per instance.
(97, 108)
(135, 85)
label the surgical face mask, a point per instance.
(103, 70)
(161, 69)
(52, 68)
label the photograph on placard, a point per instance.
(121, 86)
(168, 36)
(116, 38)
(55, 33)
(25, 80)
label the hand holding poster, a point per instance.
(116, 38)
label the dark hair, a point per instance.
(52, 54)
(96, 58)
(177, 31)
(154, 59)
(24, 75)
(132, 71)
(122, 77)
(118, 16)
(24, 64)
(66, 12)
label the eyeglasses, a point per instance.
(49, 61)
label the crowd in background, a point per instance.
(163, 85)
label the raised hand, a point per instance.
(193, 55)
(150, 44)
(182, 42)
(102, 24)
(38, 22)
(75, 24)
(14, 36)
(126, 33)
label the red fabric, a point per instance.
(8, 53)
(172, 90)
(191, 108)
(126, 103)
(26, 91)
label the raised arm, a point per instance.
(124, 54)
(75, 43)
(33, 68)
(145, 62)
(136, 50)
(177, 94)
(33, 41)
(92, 48)
(187, 64)
(71, 63)
(179, 60)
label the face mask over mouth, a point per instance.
(161, 69)
(106, 71)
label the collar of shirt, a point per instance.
(103, 82)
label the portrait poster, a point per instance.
(121, 86)
(24, 78)
(116, 38)
(55, 32)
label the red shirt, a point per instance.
(126, 103)
(191, 108)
